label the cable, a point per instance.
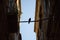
(33, 21)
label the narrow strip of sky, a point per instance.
(28, 11)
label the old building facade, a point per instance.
(48, 26)
(10, 12)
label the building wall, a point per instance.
(19, 11)
(40, 27)
(15, 29)
(48, 29)
(36, 25)
(53, 27)
(3, 19)
(5, 22)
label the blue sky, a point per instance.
(28, 11)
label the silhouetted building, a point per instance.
(47, 29)
(10, 11)
(20, 37)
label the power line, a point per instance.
(29, 21)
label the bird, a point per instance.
(29, 20)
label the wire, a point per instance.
(28, 21)
(34, 21)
